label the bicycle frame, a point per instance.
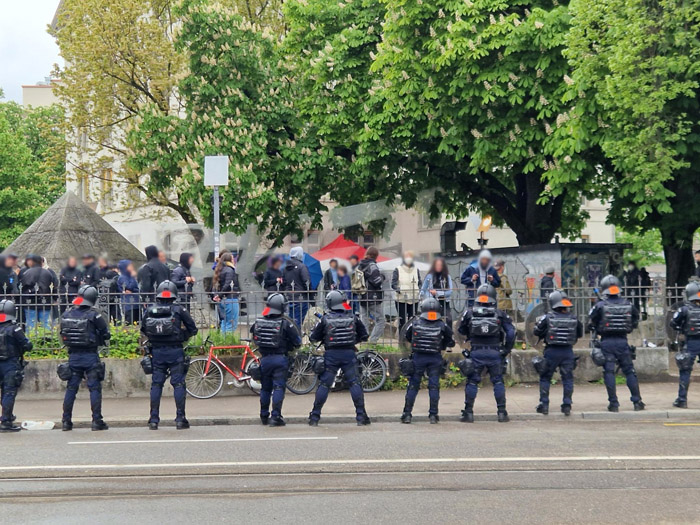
(247, 354)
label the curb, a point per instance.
(646, 415)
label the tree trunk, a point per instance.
(678, 252)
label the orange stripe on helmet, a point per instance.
(483, 299)
(566, 302)
(432, 316)
(614, 290)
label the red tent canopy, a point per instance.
(341, 248)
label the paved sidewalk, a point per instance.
(590, 402)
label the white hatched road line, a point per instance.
(408, 461)
(222, 440)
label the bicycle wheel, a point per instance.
(201, 385)
(372, 371)
(302, 379)
(255, 386)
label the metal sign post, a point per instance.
(216, 175)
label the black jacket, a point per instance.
(318, 334)
(373, 279)
(69, 280)
(39, 286)
(547, 286)
(228, 285)
(270, 280)
(448, 340)
(328, 283)
(91, 275)
(186, 323)
(7, 287)
(180, 274)
(149, 276)
(99, 323)
(295, 277)
(16, 340)
(290, 337)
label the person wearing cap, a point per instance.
(560, 330)
(478, 274)
(428, 335)
(13, 344)
(613, 318)
(339, 330)
(547, 284)
(686, 321)
(167, 326)
(492, 335)
(91, 272)
(275, 336)
(83, 331)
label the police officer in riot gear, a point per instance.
(339, 330)
(492, 336)
(275, 336)
(429, 335)
(13, 344)
(560, 330)
(687, 322)
(613, 318)
(167, 326)
(83, 330)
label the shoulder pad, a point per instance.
(18, 329)
(591, 311)
(98, 316)
(541, 318)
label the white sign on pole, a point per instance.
(216, 170)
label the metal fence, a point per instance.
(40, 313)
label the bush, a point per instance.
(124, 344)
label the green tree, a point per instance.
(451, 96)
(239, 102)
(635, 90)
(646, 246)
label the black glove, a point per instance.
(633, 352)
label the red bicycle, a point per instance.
(205, 377)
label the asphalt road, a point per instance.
(524, 472)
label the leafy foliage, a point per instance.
(32, 165)
(646, 246)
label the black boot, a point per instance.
(264, 420)
(467, 416)
(406, 418)
(364, 420)
(434, 419)
(613, 408)
(152, 425)
(8, 426)
(313, 422)
(503, 416)
(679, 403)
(277, 422)
(66, 425)
(566, 410)
(99, 425)
(639, 406)
(542, 409)
(183, 424)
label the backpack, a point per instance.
(358, 285)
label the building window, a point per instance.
(367, 239)
(426, 223)
(313, 240)
(585, 239)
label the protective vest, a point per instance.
(268, 333)
(7, 340)
(616, 319)
(408, 284)
(561, 330)
(78, 332)
(340, 332)
(692, 321)
(484, 322)
(427, 336)
(161, 325)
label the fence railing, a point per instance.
(384, 316)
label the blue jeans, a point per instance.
(490, 360)
(345, 360)
(10, 380)
(274, 369)
(38, 316)
(561, 357)
(84, 365)
(617, 352)
(168, 359)
(297, 311)
(230, 320)
(693, 348)
(432, 365)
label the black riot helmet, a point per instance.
(167, 290)
(692, 291)
(486, 294)
(276, 304)
(337, 302)
(610, 285)
(87, 296)
(8, 311)
(430, 309)
(559, 299)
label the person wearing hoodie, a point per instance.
(38, 287)
(226, 290)
(296, 283)
(272, 278)
(182, 277)
(129, 287)
(151, 274)
(406, 282)
(69, 279)
(481, 273)
(371, 302)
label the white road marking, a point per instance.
(222, 440)
(322, 462)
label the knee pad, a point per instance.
(434, 387)
(497, 381)
(474, 381)
(354, 382)
(278, 388)
(13, 380)
(179, 385)
(158, 383)
(96, 373)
